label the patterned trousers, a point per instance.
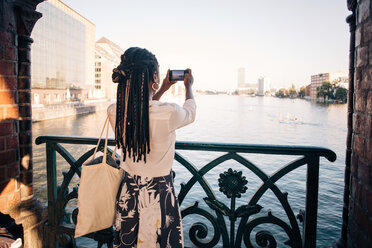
(147, 213)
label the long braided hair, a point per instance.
(137, 67)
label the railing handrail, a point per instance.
(210, 146)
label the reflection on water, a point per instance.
(252, 120)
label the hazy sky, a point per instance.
(286, 40)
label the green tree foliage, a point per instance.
(281, 93)
(332, 91)
(325, 91)
(292, 91)
(302, 92)
(341, 94)
(328, 91)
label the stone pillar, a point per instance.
(359, 227)
(16, 190)
(24, 108)
(351, 4)
(10, 193)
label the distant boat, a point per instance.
(287, 119)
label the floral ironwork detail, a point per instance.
(232, 183)
(244, 210)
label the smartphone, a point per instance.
(177, 75)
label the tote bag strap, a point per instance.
(100, 137)
(114, 153)
(105, 151)
(106, 141)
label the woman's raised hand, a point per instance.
(166, 83)
(189, 79)
(164, 87)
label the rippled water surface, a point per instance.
(238, 119)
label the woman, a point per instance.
(147, 212)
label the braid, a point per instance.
(132, 108)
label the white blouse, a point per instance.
(164, 119)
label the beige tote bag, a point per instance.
(99, 184)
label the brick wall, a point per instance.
(17, 203)
(360, 205)
(10, 192)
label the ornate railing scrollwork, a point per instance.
(210, 228)
(199, 230)
(265, 238)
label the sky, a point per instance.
(286, 40)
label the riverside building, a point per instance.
(107, 57)
(317, 80)
(62, 55)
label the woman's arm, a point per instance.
(158, 94)
(182, 116)
(164, 87)
(188, 82)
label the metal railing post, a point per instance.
(52, 193)
(311, 210)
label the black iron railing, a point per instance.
(243, 219)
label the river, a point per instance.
(250, 120)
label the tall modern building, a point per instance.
(243, 87)
(317, 80)
(107, 57)
(241, 78)
(263, 85)
(62, 54)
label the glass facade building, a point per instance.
(63, 49)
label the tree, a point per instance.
(326, 90)
(341, 94)
(292, 91)
(302, 92)
(281, 93)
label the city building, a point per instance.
(264, 84)
(107, 57)
(177, 89)
(317, 80)
(241, 78)
(243, 87)
(62, 55)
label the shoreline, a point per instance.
(43, 113)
